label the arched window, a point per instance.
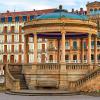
(74, 44)
(91, 9)
(95, 9)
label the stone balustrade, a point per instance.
(76, 66)
(48, 66)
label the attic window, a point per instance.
(9, 19)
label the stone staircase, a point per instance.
(91, 82)
(16, 72)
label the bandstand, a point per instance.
(66, 74)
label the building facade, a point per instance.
(54, 48)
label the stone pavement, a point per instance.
(75, 97)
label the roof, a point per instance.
(93, 3)
(34, 12)
(62, 14)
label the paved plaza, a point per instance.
(75, 97)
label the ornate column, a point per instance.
(82, 52)
(25, 49)
(35, 48)
(63, 78)
(89, 49)
(63, 46)
(95, 49)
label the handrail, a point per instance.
(89, 76)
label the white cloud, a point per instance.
(41, 4)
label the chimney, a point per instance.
(8, 11)
(72, 10)
(81, 9)
(60, 7)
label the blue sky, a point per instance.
(20, 5)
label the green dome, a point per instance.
(62, 14)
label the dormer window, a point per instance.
(17, 19)
(9, 19)
(31, 17)
(24, 18)
(3, 19)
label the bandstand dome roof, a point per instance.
(62, 14)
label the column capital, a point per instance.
(63, 32)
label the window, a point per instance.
(84, 44)
(17, 19)
(92, 57)
(1, 38)
(9, 19)
(9, 48)
(16, 38)
(9, 38)
(31, 17)
(5, 29)
(67, 45)
(30, 39)
(95, 9)
(51, 45)
(16, 58)
(92, 44)
(3, 20)
(31, 58)
(66, 57)
(16, 48)
(31, 47)
(91, 10)
(98, 56)
(1, 48)
(74, 44)
(12, 28)
(24, 18)
(75, 57)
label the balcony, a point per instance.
(52, 48)
(68, 48)
(75, 61)
(41, 50)
(31, 51)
